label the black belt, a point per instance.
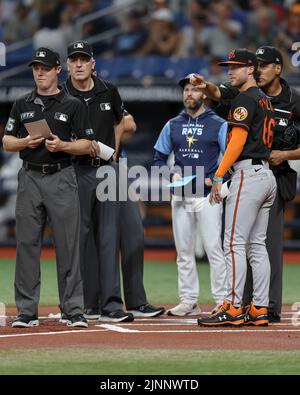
(93, 162)
(46, 168)
(258, 161)
(254, 162)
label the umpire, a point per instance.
(99, 242)
(286, 103)
(47, 188)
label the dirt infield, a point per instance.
(290, 257)
(161, 332)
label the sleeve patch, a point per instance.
(240, 114)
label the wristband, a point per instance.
(217, 179)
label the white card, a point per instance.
(106, 152)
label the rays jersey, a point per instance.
(194, 142)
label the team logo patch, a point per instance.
(240, 114)
(27, 115)
(231, 55)
(61, 117)
(40, 54)
(105, 106)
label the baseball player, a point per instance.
(47, 188)
(196, 137)
(286, 104)
(252, 193)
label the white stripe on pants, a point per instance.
(185, 215)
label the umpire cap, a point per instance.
(45, 56)
(81, 47)
(242, 57)
(269, 54)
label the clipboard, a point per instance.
(38, 129)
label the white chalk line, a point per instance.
(51, 333)
(115, 328)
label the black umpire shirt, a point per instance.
(104, 109)
(65, 115)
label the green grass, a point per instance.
(161, 287)
(160, 283)
(111, 361)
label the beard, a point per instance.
(193, 105)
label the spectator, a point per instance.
(164, 37)
(263, 30)
(134, 36)
(224, 33)
(291, 32)
(22, 24)
(197, 15)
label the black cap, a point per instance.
(269, 54)
(80, 46)
(185, 80)
(45, 56)
(242, 57)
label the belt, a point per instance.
(93, 162)
(46, 168)
(253, 162)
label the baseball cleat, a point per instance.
(116, 316)
(217, 308)
(91, 314)
(23, 321)
(227, 315)
(257, 316)
(146, 311)
(77, 321)
(184, 309)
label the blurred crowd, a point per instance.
(156, 27)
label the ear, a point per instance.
(278, 69)
(93, 63)
(58, 69)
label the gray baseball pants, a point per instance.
(54, 196)
(252, 193)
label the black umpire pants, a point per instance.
(130, 238)
(98, 245)
(274, 244)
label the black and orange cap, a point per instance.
(242, 57)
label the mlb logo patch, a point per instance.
(61, 117)
(40, 54)
(89, 132)
(283, 122)
(105, 106)
(78, 45)
(260, 51)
